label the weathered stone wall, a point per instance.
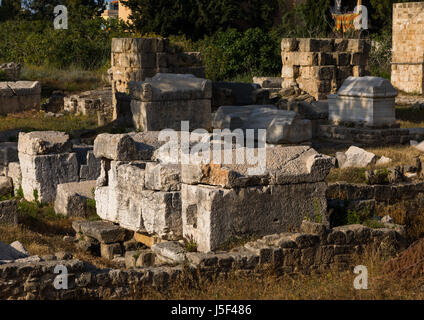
(389, 194)
(319, 66)
(135, 59)
(408, 47)
(366, 136)
(317, 248)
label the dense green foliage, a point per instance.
(86, 44)
(197, 18)
(237, 38)
(231, 53)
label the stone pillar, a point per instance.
(135, 59)
(408, 47)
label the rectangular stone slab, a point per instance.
(281, 165)
(212, 216)
(44, 142)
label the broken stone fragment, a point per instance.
(9, 252)
(102, 231)
(170, 250)
(355, 157)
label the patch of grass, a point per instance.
(6, 197)
(409, 117)
(409, 213)
(351, 175)
(32, 120)
(235, 242)
(373, 224)
(190, 244)
(331, 285)
(41, 231)
(71, 80)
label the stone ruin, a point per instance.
(319, 66)
(363, 112)
(142, 190)
(49, 159)
(18, 96)
(10, 71)
(364, 100)
(135, 59)
(408, 47)
(95, 102)
(165, 100)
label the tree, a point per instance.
(9, 9)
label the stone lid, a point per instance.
(168, 86)
(44, 142)
(367, 87)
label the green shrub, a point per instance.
(85, 44)
(227, 55)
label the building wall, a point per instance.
(408, 47)
(124, 12)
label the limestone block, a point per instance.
(8, 153)
(106, 194)
(102, 231)
(342, 58)
(163, 177)
(289, 71)
(90, 170)
(44, 142)
(119, 147)
(237, 93)
(212, 215)
(6, 186)
(167, 86)
(318, 72)
(156, 116)
(170, 250)
(9, 212)
(8, 252)
(280, 165)
(71, 198)
(108, 251)
(162, 213)
(233, 117)
(268, 82)
(14, 172)
(281, 126)
(289, 44)
(44, 172)
(18, 96)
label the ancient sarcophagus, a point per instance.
(364, 100)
